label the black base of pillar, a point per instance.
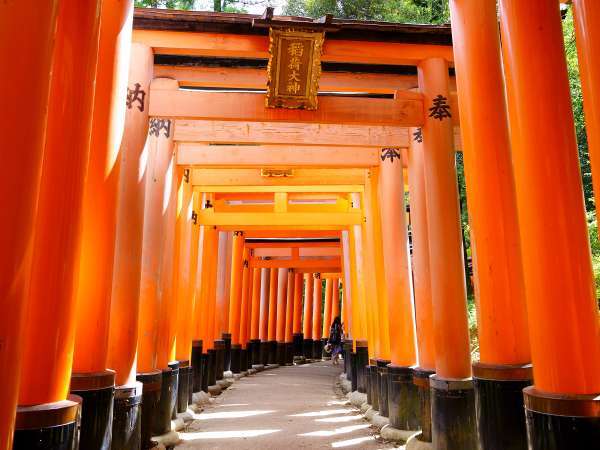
(235, 358)
(151, 382)
(307, 348)
(374, 384)
(346, 351)
(52, 426)
(167, 400)
(255, 359)
(499, 405)
(226, 338)
(421, 379)
(298, 343)
(183, 387)
(558, 422)
(280, 353)
(244, 359)
(190, 385)
(362, 361)
(264, 352)
(403, 398)
(206, 364)
(127, 417)
(197, 365)
(289, 353)
(453, 423)
(272, 352)
(219, 359)
(317, 349)
(97, 390)
(382, 381)
(324, 354)
(353, 371)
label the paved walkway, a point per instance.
(284, 408)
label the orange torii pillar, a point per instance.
(91, 379)
(263, 333)
(235, 301)
(587, 28)
(402, 394)
(185, 278)
(327, 307)
(160, 149)
(376, 292)
(421, 279)
(272, 328)
(504, 367)
(563, 405)
(47, 415)
(452, 394)
(317, 316)
(338, 301)
(289, 318)
(254, 343)
(297, 334)
(221, 335)
(246, 311)
(24, 89)
(308, 316)
(124, 308)
(282, 285)
(360, 331)
(167, 319)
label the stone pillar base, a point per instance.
(51, 426)
(280, 353)
(127, 417)
(226, 338)
(152, 382)
(560, 421)
(499, 405)
(219, 358)
(235, 358)
(97, 390)
(298, 342)
(167, 400)
(453, 423)
(362, 361)
(307, 348)
(421, 381)
(197, 365)
(403, 399)
(382, 382)
(183, 386)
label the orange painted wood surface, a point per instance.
(265, 279)
(235, 292)
(307, 326)
(255, 313)
(317, 316)
(282, 284)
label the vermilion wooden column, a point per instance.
(235, 300)
(503, 369)
(586, 17)
(24, 89)
(402, 395)
(211, 251)
(123, 328)
(255, 316)
(327, 318)
(307, 324)
(335, 302)
(452, 419)
(272, 329)
(221, 329)
(317, 316)
(298, 335)
(246, 310)
(559, 281)
(421, 277)
(282, 281)
(264, 315)
(48, 345)
(289, 318)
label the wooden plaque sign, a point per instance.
(294, 69)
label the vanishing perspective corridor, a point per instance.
(274, 408)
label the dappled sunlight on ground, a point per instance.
(284, 409)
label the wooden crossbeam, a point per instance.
(291, 234)
(329, 264)
(288, 219)
(279, 188)
(239, 156)
(257, 46)
(301, 251)
(232, 178)
(289, 245)
(406, 110)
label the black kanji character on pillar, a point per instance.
(156, 125)
(390, 153)
(440, 109)
(195, 217)
(418, 135)
(246, 263)
(136, 95)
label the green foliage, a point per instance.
(407, 11)
(169, 4)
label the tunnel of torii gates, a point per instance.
(161, 225)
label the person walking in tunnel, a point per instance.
(335, 339)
